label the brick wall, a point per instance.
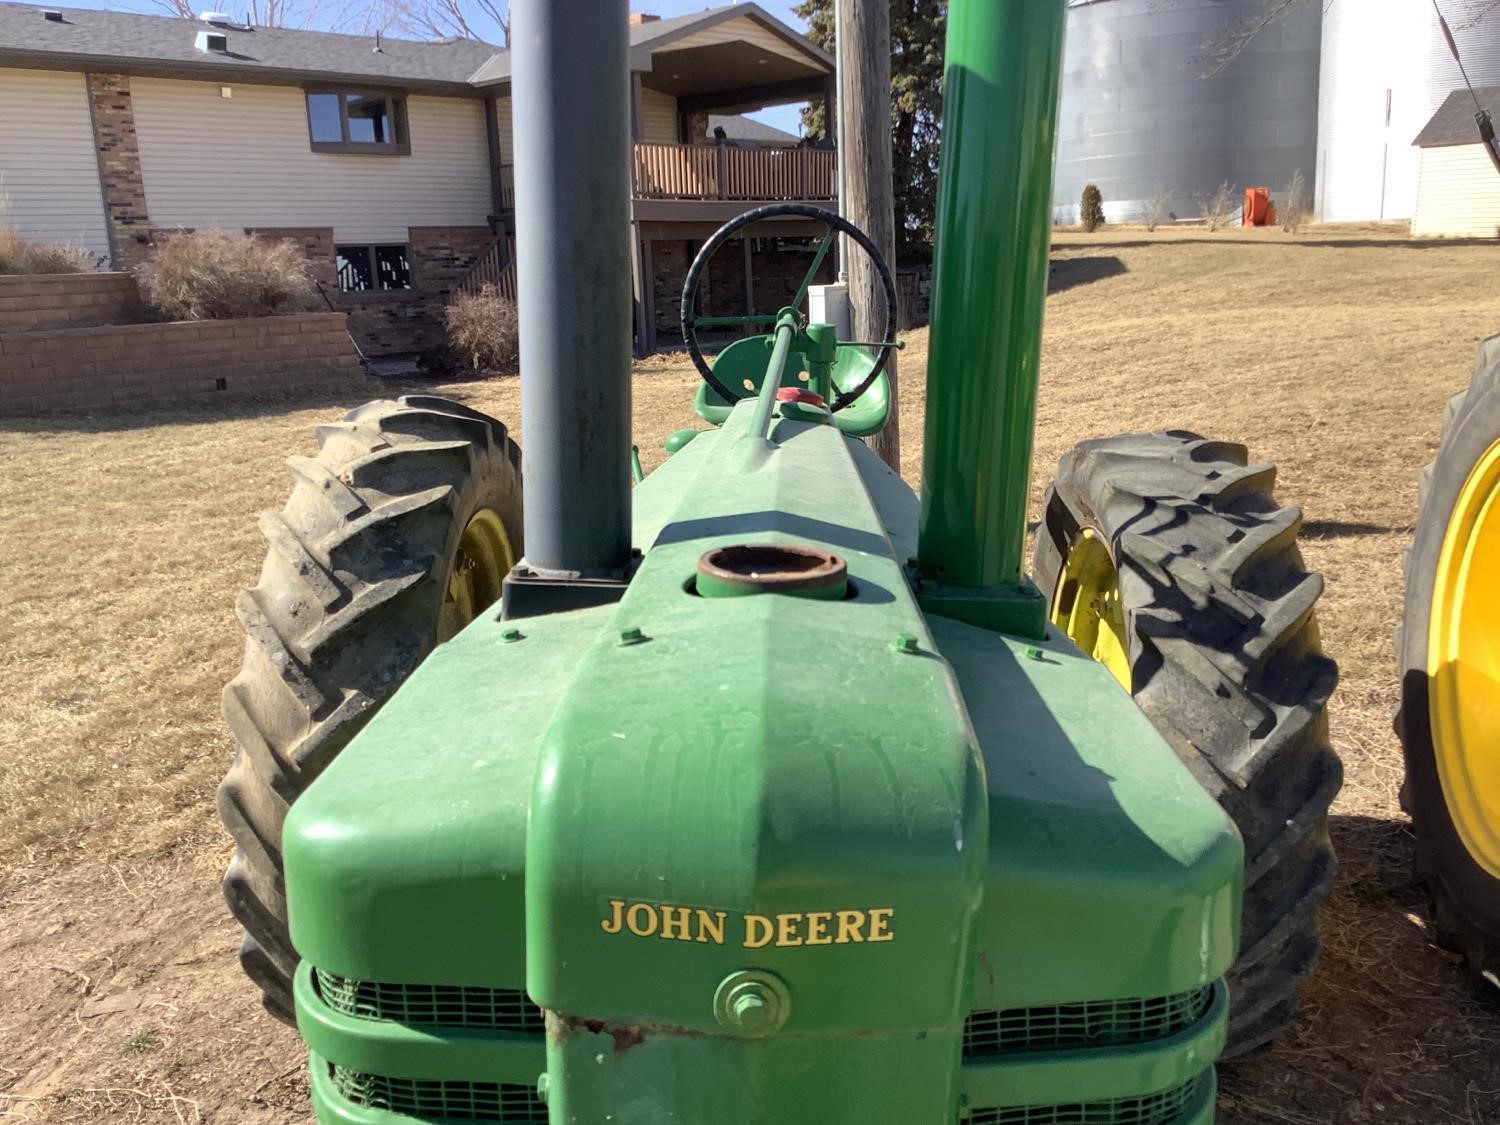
(776, 275)
(120, 168)
(67, 300)
(97, 367)
(408, 320)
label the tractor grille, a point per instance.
(1164, 1108)
(1101, 1023)
(433, 1005)
(441, 1101)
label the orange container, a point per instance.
(1258, 211)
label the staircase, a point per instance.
(496, 266)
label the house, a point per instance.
(387, 160)
(1458, 185)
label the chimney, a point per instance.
(638, 18)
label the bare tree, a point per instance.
(1157, 207)
(1219, 211)
(1461, 15)
(485, 20)
(258, 13)
(1294, 210)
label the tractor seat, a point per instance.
(742, 365)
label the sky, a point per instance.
(782, 117)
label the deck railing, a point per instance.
(725, 172)
(496, 266)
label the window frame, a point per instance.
(395, 105)
(376, 293)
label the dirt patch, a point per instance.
(127, 537)
(121, 1001)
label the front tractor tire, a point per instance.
(1167, 559)
(396, 535)
(1448, 646)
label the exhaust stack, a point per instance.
(572, 155)
(990, 271)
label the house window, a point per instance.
(372, 269)
(362, 121)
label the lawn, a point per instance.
(127, 537)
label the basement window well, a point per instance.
(373, 269)
(357, 121)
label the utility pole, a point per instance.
(864, 110)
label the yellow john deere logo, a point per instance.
(753, 931)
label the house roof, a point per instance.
(165, 45)
(658, 35)
(1453, 124)
(740, 128)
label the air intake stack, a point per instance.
(573, 271)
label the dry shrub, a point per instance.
(1222, 208)
(1294, 212)
(214, 275)
(1091, 209)
(19, 254)
(1158, 207)
(482, 328)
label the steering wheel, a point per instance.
(836, 225)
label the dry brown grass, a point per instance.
(1330, 353)
(19, 255)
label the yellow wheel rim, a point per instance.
(484, 559)
(1463, 664)
(1086, 605)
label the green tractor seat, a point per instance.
(743, 365)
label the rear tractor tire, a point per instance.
(396, 535)
(1166, 558)
(1448, 647)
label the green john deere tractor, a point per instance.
(771, 791)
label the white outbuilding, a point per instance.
(1458, 184)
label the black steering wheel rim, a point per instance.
(835, 223)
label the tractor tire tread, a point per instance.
(1464, 898)
(1226, 661)
(347, 605)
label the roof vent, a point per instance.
(215, 42)
(218, 19)
(52, 15)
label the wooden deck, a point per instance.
(723, 172)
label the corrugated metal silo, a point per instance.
(1141, 111)
(1386, 69)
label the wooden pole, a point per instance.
(864, 105)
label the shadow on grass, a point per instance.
(1069, 272)
(1396, 243)
(1339, 529)
(147, 415)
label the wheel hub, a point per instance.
(484, 558)
(1087, 607)
(1463, 664)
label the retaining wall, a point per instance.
(130, 363)
(29, 302)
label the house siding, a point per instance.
(658, 117)
(49, 173)
(505, 130)
(742, 29)
(246, 161)
(1458, 194)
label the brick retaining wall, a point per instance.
(92, 367)
(30, 302)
